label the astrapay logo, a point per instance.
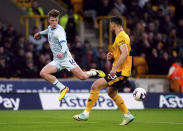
(170, 101)
(73, 102)
(9, 103)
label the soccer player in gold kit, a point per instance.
(121, 69)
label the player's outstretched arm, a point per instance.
(36, 35)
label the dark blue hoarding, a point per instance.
(42, 86)
(18, 101)
(163, 100)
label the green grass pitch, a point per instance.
(100, 120)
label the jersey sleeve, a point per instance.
(121, 40)
(44, 32)
(61, 36)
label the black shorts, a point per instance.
(117, 81)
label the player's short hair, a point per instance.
(117, 20)
(53, 13)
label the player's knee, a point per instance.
(94, 87)
(43, 74)
(112, 94)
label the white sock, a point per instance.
(86, 113)
(127, 114)
(58, 84)
(92, 73)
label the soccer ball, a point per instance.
(139, 94)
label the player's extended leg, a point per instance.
(46, 73)
(113, 93)
(85, 75)
(94, 94)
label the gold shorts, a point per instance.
(116, 81)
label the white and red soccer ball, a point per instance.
(139, 94)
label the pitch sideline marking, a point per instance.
(173, 123)
(59, 123)
(29, 123)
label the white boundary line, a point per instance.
(30, 123)
(61, 123)
(172, 123)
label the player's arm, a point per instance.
(61, 36)
(37, 35)
(109, 55)
(64, 48)
(172, 72)
(122, 58)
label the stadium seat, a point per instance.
(155, 7)
(62, 3)
(78, 6)
(172, 8)
(23, 3)
(140, 65)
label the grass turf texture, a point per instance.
(100, 120)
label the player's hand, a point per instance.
(36, 35)
(59, 55)
(113, 72)
(109, 56)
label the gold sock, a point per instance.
(120, 103)
(92, 100)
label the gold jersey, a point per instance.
(125, 68)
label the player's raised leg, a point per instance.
(85, 75)
(94, 94)
(113, 93)
(46, 73)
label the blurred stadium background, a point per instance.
(155, 28)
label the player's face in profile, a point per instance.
(112, 25)
(53, 22)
